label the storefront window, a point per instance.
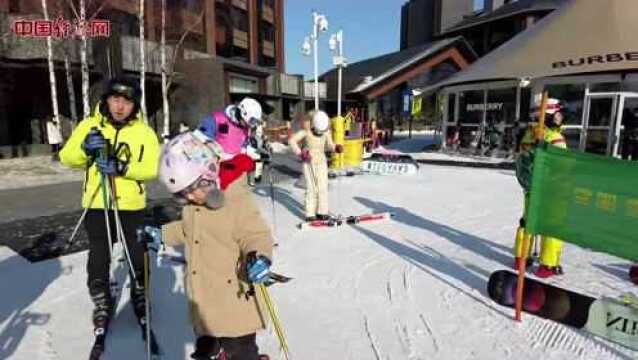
(451, 104)
(501, 106)
(468, 136)
(572, 98)
(471, 106)
(526, 99)
(572, 136)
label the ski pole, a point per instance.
(275, 319)
(120, 231)
(147, 305)
(69, 242)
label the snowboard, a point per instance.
(385, 164)
(540, 299)
(615, 320)
(340, 220)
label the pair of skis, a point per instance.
(335, 221)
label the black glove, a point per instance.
(94, 143)
(111, 166)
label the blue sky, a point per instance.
(371, 28)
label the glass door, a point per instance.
(599, 123)
(626, 128)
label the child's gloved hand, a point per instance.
(338, 148)
(257, 268)
(305, 156)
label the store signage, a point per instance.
(483, 107)
(598, 59)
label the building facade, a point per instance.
(423, 20)
(219, 51)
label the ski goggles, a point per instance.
(123, 90)
(199, 184)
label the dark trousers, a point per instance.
(99, 260)
(235, 348)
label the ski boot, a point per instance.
(323, 217)
(102, 313)
(545, 271)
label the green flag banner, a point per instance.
(585, 199)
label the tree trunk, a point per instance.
(166, 108)
(84, 63)
(54, 93)
(71, 90)
(142, 62)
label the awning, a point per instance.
(583, 36)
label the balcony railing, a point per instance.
(268, 48)
(290, 84)
(240, 38)
(268, 14)
(309, 89)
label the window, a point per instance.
(451, 105)
(471, 105)
(525, 110)
(240, 19)
(571, 97)
(243, 85)
(501, 106)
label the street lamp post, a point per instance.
(336, 45)
(319, 24)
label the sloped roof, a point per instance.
(515, 8)
(583, 36)
(382, 67)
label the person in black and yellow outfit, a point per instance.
(132, 158)
(550, 247)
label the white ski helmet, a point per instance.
(250, 111)
(320, 122)
(186, 158)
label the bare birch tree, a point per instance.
(84, 45)
(167, 113)
(84, 65)
(54, 92)
(142, 62)
(70, 89)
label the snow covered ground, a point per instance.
(34, 171)
(409, 288)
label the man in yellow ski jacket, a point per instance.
(119, 153)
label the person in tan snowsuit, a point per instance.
(310, 144)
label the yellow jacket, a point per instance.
(554, 137)
(135, 144)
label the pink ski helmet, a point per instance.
(186, 158)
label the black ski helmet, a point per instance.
(126, 88)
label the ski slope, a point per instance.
(409, 288)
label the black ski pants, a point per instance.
(99, 261)
(235, 348)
